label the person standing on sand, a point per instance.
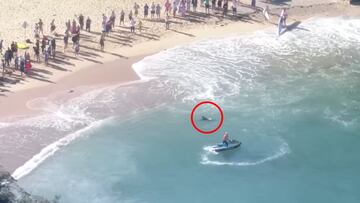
(158, 11)
(77, 48)
(16, 61)
(66, 40)
(122, 17)
(22, 65)
(88, 24)
(174, 8)
(37, 44)
(182, 8)
(132, 25)
(219, 4)
(27, 66)
(43, 44)
(102, 42)
(167, 7)
(136, 9)
(7, 57)
(153, 8)
(46, 57)
(213, 5)
(27, 55)
(283, 17)
(225, 7)
(146, 10)
(140, 25)
(207, 6)
(81, 21)
(234, 7)
(12, 51)
(188, 5)
(13, 47)
(73, 27)
(75, 37)
(41, 26)
(68, 25)
(195, 4)
(37, 54)
(36, 31)
(1, 46)
(130, 15)
(112, 19)
(167, 22)
(253, 3)
(3, 68)
(2, 64)
(103, 27)
(103, 23)
(52, 26)
(19, 62)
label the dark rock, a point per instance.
(11, 192)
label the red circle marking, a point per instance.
(221, 117)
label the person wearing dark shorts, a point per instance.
(207, 6)
(146, 10)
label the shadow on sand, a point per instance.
(295, 26)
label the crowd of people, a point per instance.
(45, 45)
(12, 57)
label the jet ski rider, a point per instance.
(225, 139)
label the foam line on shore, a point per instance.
(52, 148)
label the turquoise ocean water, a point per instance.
(293, 101)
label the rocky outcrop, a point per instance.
(11, 192)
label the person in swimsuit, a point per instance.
(283, 17)
(225, 139)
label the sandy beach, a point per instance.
(122, 49)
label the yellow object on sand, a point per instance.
(22, 45)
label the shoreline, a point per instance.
(23, 92)
(108, 72)
(129, 55)
(16, 104)
(124, 75)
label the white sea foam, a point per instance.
(209, 69)
(63, 112)
(206, 160)
(50, 150)
(341, 117)
(85, 111)
(4, 124)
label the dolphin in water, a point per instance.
(204, 118)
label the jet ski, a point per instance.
(232, 144)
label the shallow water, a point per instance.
(293, 101)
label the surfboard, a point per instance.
(266, 15)
(280, 27)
